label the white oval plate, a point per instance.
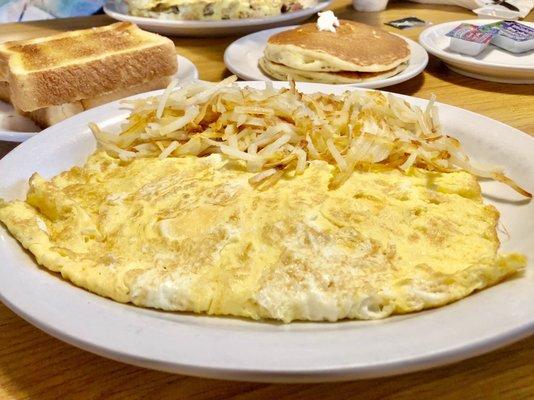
(232, 348)
(16, 128)
(118, 9)
(242, 57)
(493, 64)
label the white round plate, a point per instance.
(242, 57)
(118, 9)
(16, 128)
(493, 64)
(239, 349)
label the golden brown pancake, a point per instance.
(353, 47)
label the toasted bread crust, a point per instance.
(4, 69)
(71, 47)
(4, 92)
(75, 73)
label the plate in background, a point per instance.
(493, 64)
(240, 349)
(16, 128)
(118, 9)
(242, 57)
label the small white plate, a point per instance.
(233, 348)
(16, 128)
(493, 64)
(242, 57)
(118, 9)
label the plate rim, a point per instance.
(230, 23)
(394, 368)
(380, 83)
(20, 137)
(473, 62)
(445, 356)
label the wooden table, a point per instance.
(37, 366)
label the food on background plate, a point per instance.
(214, 10)
(353, 53)
(52, 78)
(270, 203)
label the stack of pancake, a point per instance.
(353, 53)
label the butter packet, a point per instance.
(513, 36)
(470, 39)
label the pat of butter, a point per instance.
(327, 21)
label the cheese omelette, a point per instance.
(191, 234)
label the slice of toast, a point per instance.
(83, 64)
(47, 116)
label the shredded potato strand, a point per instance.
(279, 131)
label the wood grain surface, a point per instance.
(34, 365)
